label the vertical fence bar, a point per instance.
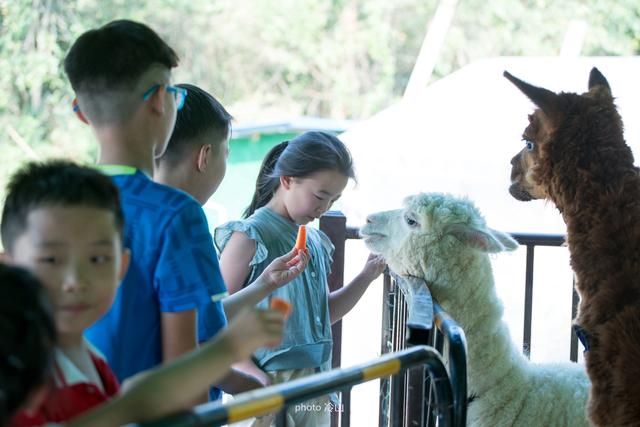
(415, 397)
(528, 302)
(430, 420)
(399, 381)
(345, 408)
(386, 346)
(397, 400)
(281, 418)
(334, 225)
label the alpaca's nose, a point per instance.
(369, 219)
(514, 160)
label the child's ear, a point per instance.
(285, 182)
(156, 101)
(124, 263)
(203, 157)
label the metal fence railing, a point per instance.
(411, 397)
(281, 396)
(413, 402)
(531, 241)
(405, 400)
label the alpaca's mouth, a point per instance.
(373, 241)
(367, 235)
(519, 193)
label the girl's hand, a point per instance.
(284, 269)
(373, 268)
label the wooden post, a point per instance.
(334, 225)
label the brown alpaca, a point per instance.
(576, 156)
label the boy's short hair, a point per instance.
(115, 56)
(110, 60)
(201, 113)
(55, 183)
(28, 339)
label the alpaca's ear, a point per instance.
(597, 80)
(507, 241)
(481, 239)
(546, 100)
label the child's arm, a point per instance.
(172, 387)
(234, 265)
(249, 367)
(345, 298)
(186, 277)
(239, 381)
(235, 261)
(179, 336)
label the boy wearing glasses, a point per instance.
(121, 74)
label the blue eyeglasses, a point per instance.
(179, 93)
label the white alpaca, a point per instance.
(446, 242)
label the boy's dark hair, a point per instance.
(28, 339)
(201, 113)
(302, 156)
(55, 183)
(114, 56)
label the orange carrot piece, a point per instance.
(281, 305)
(301, 241)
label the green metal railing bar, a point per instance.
(281, 396)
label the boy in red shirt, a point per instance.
(63, 222)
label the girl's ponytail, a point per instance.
(266, 183)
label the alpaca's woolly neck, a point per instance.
(598, 195)
(492, 356)
(601, 227)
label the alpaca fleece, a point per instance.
(446, 242)
(577, 158)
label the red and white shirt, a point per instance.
(71, 393)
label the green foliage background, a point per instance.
(267, 58)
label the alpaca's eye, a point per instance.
(410, 221)
(530, 145)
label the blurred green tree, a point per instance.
(262, 58)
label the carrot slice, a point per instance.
(301, 241)
(281, 305)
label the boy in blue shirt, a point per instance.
(121, 74)
(195, 162)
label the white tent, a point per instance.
(460, 133)
(458, 136)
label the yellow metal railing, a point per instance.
(279, 397)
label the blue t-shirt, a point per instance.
(174, 267)
(307, 341)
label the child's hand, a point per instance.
(255, 328)
(284, 269)
(373, 268)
